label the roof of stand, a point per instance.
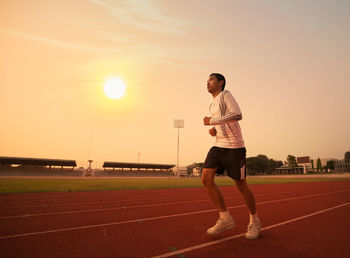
(36, 162)
(108, 164)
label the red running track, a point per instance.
(299, 220)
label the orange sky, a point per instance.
(286, 63)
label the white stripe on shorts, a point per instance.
(242, 172)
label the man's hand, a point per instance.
(206, 120)
(212, 131)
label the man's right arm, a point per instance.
(234, 114)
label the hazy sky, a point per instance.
(286, 63)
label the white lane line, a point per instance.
(79, 203)
(155, 218)
(117, 201)
(105, 209)
(104, 225)
(59, 201)
(128, 207)
(111, 209)
(118, 208)
(102, 201)
(302, 197)
(95, 201)
(192, 248)
(73, 203)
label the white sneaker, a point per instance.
(253, 230)
(221, 226)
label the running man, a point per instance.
(228, 153)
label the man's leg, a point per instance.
(225, 221)
(208, 175)
(254, 226)
(247, 195)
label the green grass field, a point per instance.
(25, 185)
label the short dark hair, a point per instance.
(220, 77)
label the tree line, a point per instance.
(261, 164)
(254, 165)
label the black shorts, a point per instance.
(231, 160)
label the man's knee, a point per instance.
(207, 181)
(208, 177)
(241, 185)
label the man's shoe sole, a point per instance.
(252, 238)
(214, 234)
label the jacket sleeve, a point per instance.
(233, 114)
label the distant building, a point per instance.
(181, 171)
(303, 166)
(305, 162)
(287, 170)
(340, 166)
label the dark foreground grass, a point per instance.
(26, 185)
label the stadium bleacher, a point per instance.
(131, 173)
(125, 169)
(19, 166)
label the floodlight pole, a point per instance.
(138, 160)
(178, 145)
(178, 124)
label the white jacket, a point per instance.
(225, 114)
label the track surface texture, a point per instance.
(298, 219)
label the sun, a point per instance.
(114, 88)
